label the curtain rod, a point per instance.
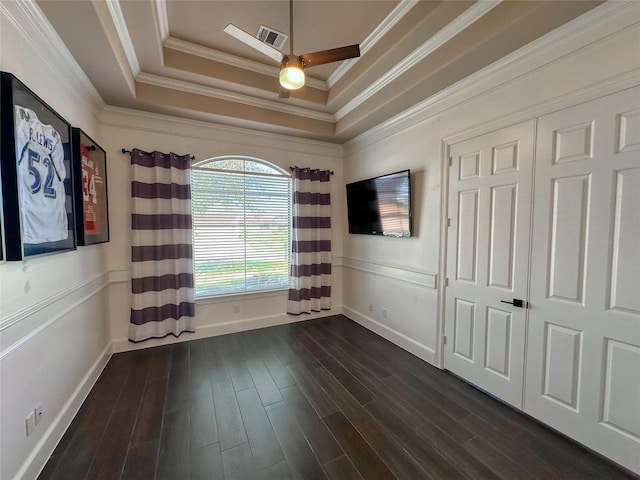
(292, 168)
(124, 150)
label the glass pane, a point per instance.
(240, 164)
(241, 229)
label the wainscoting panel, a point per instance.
(393, 302)
(52, 353)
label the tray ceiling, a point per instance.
(172, 57)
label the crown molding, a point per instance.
(381, 30)
(36, 29)
(239, 89)
(114, 41)
(461, 22)
(610, 86)
(214, 132)
(163, 20)
(599, 24)
(188, 87)
(217, 56)
(123, 34)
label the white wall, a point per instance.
(54, 331)
(60, 313)
(583, 60)
(63, 315)
(130, 129)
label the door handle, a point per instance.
(517, 303)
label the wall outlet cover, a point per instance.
(30, 422)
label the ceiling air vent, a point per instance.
(271, 37)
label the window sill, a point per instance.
(241, 296)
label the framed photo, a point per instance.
(36, 175)
(90, 184)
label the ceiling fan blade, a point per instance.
(253, 42)
(284, 93)
(328, 56)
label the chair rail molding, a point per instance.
(397, 272)
(23, 325)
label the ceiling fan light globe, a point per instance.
(292, 77)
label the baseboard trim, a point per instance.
(38, 458)
(421, 351)
(234, 326)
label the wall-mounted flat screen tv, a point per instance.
(381, 205)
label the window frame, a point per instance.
(210, 298)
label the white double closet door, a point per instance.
(548, 213)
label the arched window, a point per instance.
(241, 225)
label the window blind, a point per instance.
(241, 227)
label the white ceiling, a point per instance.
(172, 56)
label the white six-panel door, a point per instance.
(487, 261)
(577, 264)
(583, 353)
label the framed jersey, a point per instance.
(35, 174)
(90, 185)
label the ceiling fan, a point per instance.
(292, 66)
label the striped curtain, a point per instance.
(310, 275)
(162, 290)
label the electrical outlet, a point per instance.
(236, 308)
(384, 313)
(371, 307)
(31, 422)
(38, 413)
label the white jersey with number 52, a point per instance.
(41, 175)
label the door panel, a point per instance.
(563, 349)
(467, 236)
(498, 341)
(625, 254)
(566, 256)
(488, 244)
(583, 351)
(464, 326)
(622, 388)
(502, 225)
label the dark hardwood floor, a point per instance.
(321, 399)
